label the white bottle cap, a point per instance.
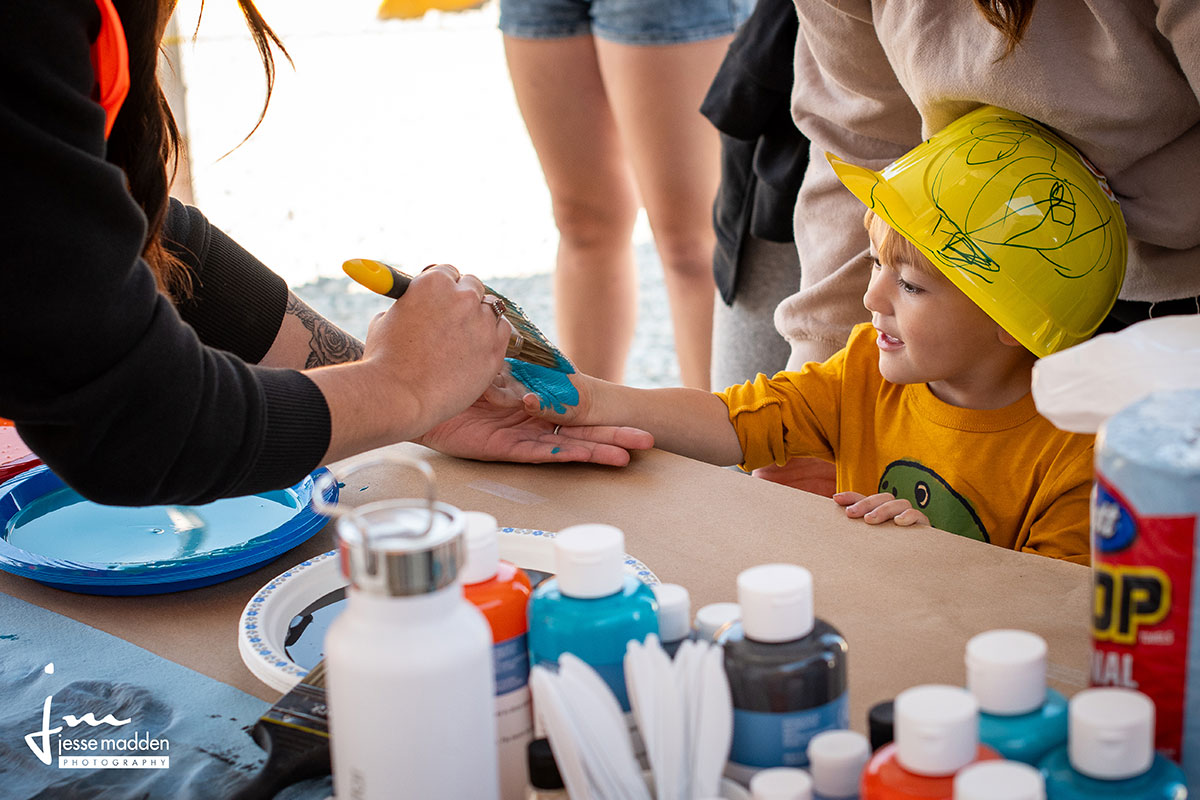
(712, 617)
(999, 780)
(781, 783)
(588, 560)
(937, 729)
(1111, 733)
(674, 611)
(836, 760)
(483, 548)
(1006, 671)
(776, 601)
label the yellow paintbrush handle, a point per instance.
(377, 276)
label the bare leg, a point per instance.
(562, 99)
(655, 94)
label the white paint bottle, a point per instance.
(409, 662)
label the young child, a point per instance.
(993, 243)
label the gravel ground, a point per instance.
(651, 361)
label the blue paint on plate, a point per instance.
(53, 535)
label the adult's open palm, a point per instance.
(496, 427)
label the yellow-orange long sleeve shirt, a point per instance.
(1005, 476)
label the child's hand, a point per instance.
(557, 398)
(880, 508)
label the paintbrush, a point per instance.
(527, 343)
(295, 734)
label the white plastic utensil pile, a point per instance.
(683, 711)
(685, 715)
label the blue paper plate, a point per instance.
(50, 534)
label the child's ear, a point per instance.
(1007, 338)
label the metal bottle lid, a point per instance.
(401, 547)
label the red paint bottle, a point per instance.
(15, 457)
(501, 591)
(937, 734)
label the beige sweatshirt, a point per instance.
(1119, 79)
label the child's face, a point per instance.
(930, 332)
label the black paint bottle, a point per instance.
(787, 675)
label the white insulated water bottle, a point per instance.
(410, 679)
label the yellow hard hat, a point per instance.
(1014, 216)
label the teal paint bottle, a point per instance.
(1019, 716)
(591, 607)
(1111, 752)
(787, 676)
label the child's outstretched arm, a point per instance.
(689, 422)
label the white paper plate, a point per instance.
(264, 623)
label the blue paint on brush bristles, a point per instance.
(551, 384)
(522, 324)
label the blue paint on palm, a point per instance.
(552, 386)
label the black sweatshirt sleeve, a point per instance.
(237, 304)
(115, 392)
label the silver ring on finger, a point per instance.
(497, 305)
(556, 427)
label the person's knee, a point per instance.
(686, 253)
(593, 226)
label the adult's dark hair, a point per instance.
(145, 140)
(1010, 17)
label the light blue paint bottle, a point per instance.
(674, 615)
(1111, 752)
(1018, 715)
(591, 607)
(988, 780)
(718, 623)
(836, 760)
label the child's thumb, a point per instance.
(535, 408)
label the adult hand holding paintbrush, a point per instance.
(426, 359)
(496, 426)
(525, 342)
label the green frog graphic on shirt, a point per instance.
(932, 496)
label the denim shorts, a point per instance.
(644, 22)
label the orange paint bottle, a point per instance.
(937, 734)
(501, 591)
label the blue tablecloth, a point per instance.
(200, 724)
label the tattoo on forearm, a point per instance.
(328, 344)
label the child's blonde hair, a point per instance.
(895, 248)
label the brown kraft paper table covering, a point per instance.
(906, 599)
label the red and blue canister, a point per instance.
(1146, 604)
